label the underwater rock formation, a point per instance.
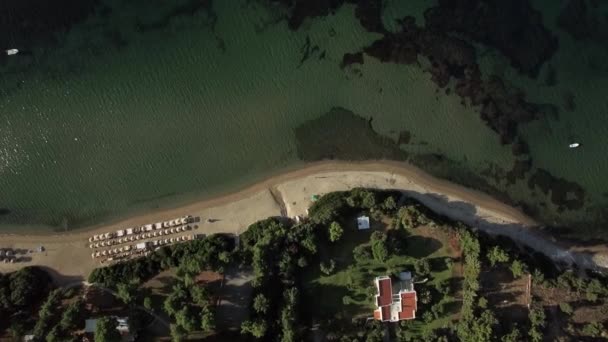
(513, 27)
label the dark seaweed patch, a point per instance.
(565, 194)
(341, 134)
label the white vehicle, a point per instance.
(11, 52)
(574, 145)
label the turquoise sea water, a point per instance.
(138, 107)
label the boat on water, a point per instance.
(574, 145)
(11, 52)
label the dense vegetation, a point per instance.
(210, 253)
(316, 278)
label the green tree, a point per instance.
(537, 321)
(513, 336)
(126, 292)
(71, 316)
(422, 267)
(53, 335)
(177, 333)
(47, 314)
(497, 255)
(255, 328)
(593, 329)
(28, 286)
(424, 296)
(186, 319)
(328, 268)
(449, 263)
(362, 253)
(566, 308)
(482, 303)
(379, 246)
(175, 299)
(517, 268)
(200, 295)
(148, 303)
(368, 199)
(260, 304)
(105, 330)
(207, 319)
(335, 231)
(302, 262)
(482, 328)
(389, 204)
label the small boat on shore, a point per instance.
(11, 52)
(574, 145)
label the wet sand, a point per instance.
(69, 258)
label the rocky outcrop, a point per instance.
(564, 193)
(503, 108)
(513, 27)
(583, 19)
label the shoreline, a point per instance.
(268, 181)
(289, 193)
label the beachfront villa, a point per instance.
(395, 301)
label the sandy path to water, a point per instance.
(68, 257)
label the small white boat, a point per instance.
(574, 145)
(12, 52)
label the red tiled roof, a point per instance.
(385, 292)
(408, 305)
(386, 313)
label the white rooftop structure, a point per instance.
(129, 231)
(141, 245)
(120, 232)
(122, 327)
(363, 222)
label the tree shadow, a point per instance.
(233, 299)
(442, 209)
(421, 246)
(60, 279)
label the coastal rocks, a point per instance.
(307, 50)
(564, 194)
(299, 10)
(583, 19)
(33, 22)
(503, 108)
(519, 170)
(520, 147)
(404, 137)
(351, 58)
(369, 13)
(513, 27)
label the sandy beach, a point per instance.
(68, 257)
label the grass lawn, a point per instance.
(349, 291)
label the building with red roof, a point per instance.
(395, 302)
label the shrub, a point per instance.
(329, 267)
(335, 231)
(593, 329)
(422, 267)
(517, 268)
(379, 246)
(566, 308)
(362, 253)
(497, 255)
